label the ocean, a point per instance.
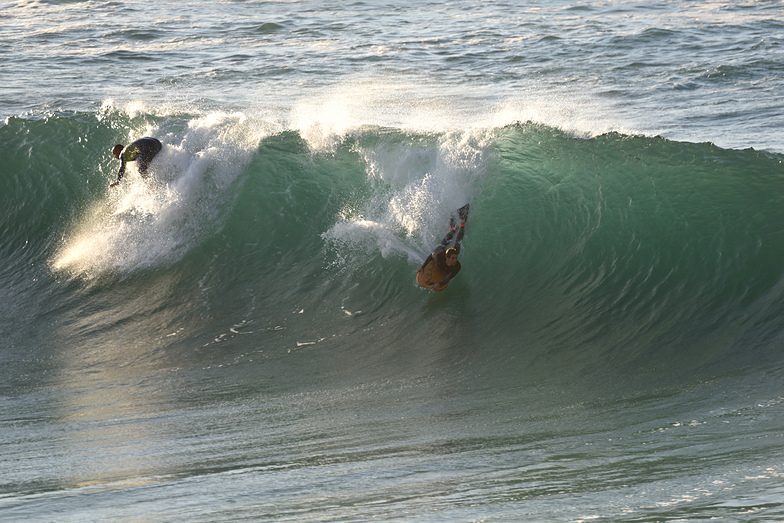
(239, 335)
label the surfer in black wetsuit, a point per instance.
(446, 259)
(142, 151)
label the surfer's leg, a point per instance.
(451, 233)
(459, 238)
(448, 238)
(147, 153)
(144, 163)
(462, 213)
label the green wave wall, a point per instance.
(613, 258)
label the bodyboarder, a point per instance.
(441, 266)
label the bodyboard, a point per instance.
(430, 275)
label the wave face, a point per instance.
(623, 248)
(263, 262)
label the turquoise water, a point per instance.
(240, 338)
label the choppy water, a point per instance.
(239, 338)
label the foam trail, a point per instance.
(417, 183)
(144, 223)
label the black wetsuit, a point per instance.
(142, 151)
(440, 252)
(440, 259)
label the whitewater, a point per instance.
(239, 337)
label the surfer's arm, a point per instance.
(446, 279)
(121, 172)
(449, 276)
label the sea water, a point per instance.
(239, 337)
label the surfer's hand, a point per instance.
(115, 184)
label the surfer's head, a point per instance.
(451, 256)
(116, 150)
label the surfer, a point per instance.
(446, 262)
(142, 151)
(442, 265)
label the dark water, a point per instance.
(240, 336)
